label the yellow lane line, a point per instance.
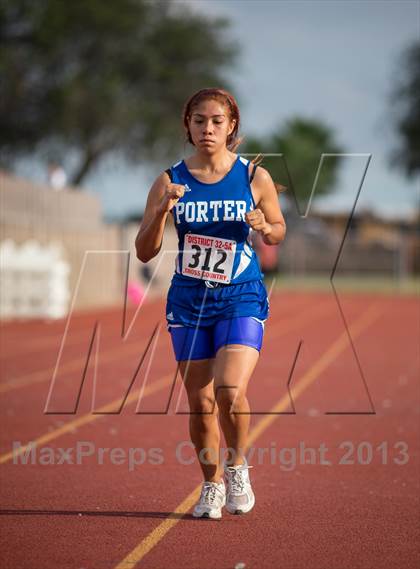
(149, 390)
(155, 536)
(73, 365)
(115, 354)
(89, 417)
(55, 339)
(318, 367)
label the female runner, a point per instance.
(217, 302)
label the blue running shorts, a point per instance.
(202, 306)
(203, 342)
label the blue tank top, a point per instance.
(214, 240)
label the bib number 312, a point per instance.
(208, 258)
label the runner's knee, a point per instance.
(230, 396)
(202, 404)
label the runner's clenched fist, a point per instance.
(173, 192)
(256, 219)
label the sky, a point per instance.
(335, 61)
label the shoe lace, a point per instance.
(209, 494)
(237, 479)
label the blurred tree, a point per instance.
(405, 104)
(97, 77)
(301, 143)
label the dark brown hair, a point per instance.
(223, 97)
(229, 101)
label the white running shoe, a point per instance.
(212, 500)
(240, 498)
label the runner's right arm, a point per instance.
(162, 197)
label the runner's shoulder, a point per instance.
(261, 174)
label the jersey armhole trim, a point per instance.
(250, 178)
(253, 172)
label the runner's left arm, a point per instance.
(267, 218)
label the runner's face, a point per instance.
(210, 125)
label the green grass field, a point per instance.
(349, 283)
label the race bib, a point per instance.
(208, 258)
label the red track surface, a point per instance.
(317, 516)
